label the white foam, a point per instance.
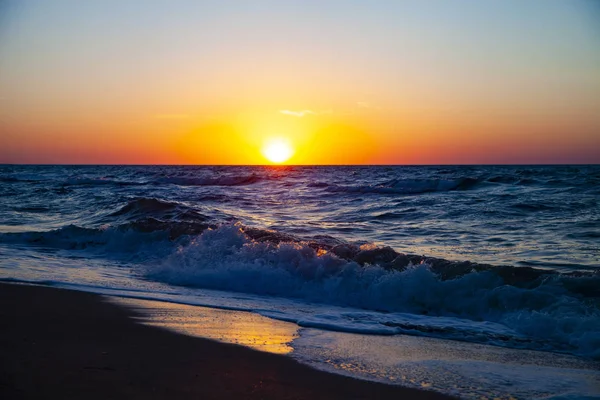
(468, 371)
(545, 317)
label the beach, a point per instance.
(68, 344)
(300, 199)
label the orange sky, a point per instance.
(342, 82)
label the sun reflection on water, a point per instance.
(237, 327)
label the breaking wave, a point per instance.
(546, 307)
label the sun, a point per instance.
(278, 150)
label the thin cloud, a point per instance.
(299, 114)
(303, 113)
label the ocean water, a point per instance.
(503, 256)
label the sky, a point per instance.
(339, 82)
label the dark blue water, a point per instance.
(512, 250)
(547, 217)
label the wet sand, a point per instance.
(66, 344)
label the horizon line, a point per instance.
(297, 165)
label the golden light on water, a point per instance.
(278, 150)
(228, 326)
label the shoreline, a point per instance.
(70, 344)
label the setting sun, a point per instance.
(277, 151)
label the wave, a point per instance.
(145, 205)
(187, 180)
(147, 219)
(417, 186)
(148, 207)
(134, 225)
(97, 182)
(149, 234)
(73, 237)
(405, 186)
(218, 181)
(546, 307)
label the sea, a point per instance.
(477, 281)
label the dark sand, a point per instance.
(65, 344)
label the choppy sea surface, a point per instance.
(507, 256)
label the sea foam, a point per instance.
(545, 316)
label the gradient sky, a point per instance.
(345, 82)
